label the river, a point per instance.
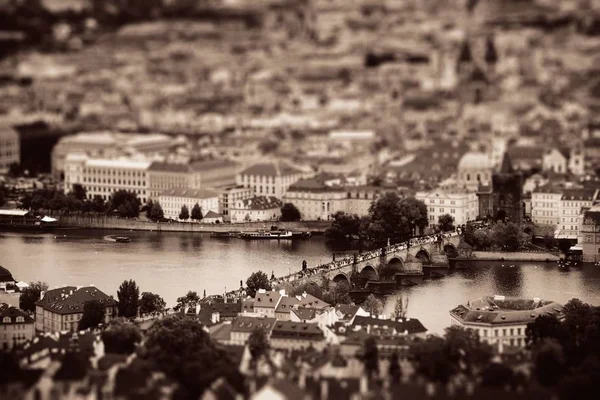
(170, 264)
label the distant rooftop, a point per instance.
(190, 193)
(271, 169)
(70, 299)
(261, 203)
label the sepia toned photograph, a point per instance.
(299, 199)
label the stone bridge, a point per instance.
(386, 263)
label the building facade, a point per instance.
(10, 147)
(173, 200)
(589, 234)
(256, 209)
(474, 169)
(546, 205)
(61, 309)
(573, 202)
(269, 179)
(16, 327)
(164, 176)
(292, 335)
(461, 204)
(229, 196)
(104, 177)
(502, 321)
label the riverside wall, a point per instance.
(513, 256)
(103, 222)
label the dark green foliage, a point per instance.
(148, 208)
(191, 299)
(152, 304)
(257, 280)
(446, 222)
(125, 204)
(93, 315)
(30, 295)
(289, 212)
(196, 212)
(498, 376)
(129, 298)
(185, 213)
(185, 353)
(121, 337)
(544, 327)
(370, 357)
(79, 192)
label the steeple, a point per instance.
(465, 53)
(506, 167)
(491, 55)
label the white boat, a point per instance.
(267, 235)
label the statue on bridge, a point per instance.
(272, 275)
(304, 266)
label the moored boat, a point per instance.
(122, 239)
(266, 235)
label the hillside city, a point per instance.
(423, 134)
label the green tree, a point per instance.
(290, 212)
(156, 213)
(465, 350)
(2, 195)
(196, 212)
(121, 337)
(181, 348)
(482, 240)
(395, 371)
(343, 226)
(370, 357)
(446, 222)
(15, 170)
(400, 307)
(430, 359)
(258, 344)
(185, 213)
(93, 315)
(79, 192)
(30, 295)
(498, 376)
(191, 299)
(125, 203)
(151, 304)
(129, 299)
(373, 305)
(257, 280)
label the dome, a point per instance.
(474, 161)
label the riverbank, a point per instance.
(513, 256)
(103, 222)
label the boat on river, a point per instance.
(122, 239)
(273, 234)
(26, 220)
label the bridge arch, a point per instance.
(341, 277)
(423, 256)
(395, 265)
(450, 250)
(369, 272)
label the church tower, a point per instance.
(491, 57)
(465, 64)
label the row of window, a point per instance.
(113, 172)
(483, 332)
(7, 320)
(114, 181)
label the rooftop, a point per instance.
(13, 313)
(70, 299)
(261, 203)
(578, 194)
(6, 132)
(286, 303)
(248, 324)
(267, 299)
(271, 169)
(474, 160)
(118, 163)
(406, 325)
(206, 165)
(168, 167)
(297, 330)
(505, 310)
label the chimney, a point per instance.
(42, 294)
(197, 309)
(324, 389)
(282, 292)
(364, 385)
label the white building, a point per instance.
(229, 196)
(256, 209)
(104, 177)
(10, 150)
(502, 321)
(555, 160)
(269, 179)
(173, 200)
(572, 204)
(461, 204)
(546, 204)
(474, 169)
(16, 327)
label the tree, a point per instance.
(93, 315)
(148, 208)
(98, 204)
(498, 376)
(156, 213)
(482, 240)
(394, 369)
(544, 327)
(258, 344)
(15, 170)
(446, 222)
(430, 359)
(196, 212)
(549, 362)
(181, 348)
(373, 305)
(125, 203)
(268, 146)
(185, 213)
(289, 212)
(343, 226)
(370, 357)
(152, 304)
(338, 293)
(400, 307)
(2, 195)
(129, 298)
(79, 192)
(257, 280)
(191, 299)
(121, 337)
(465, 351)
(31, 294)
